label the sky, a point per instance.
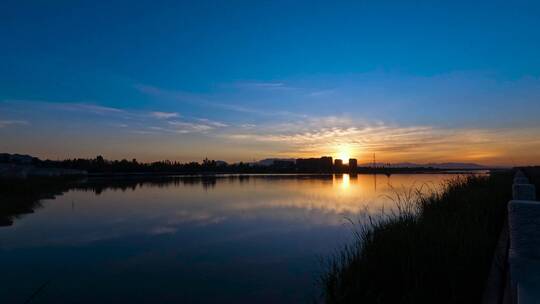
(429, 81)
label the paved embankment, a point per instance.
(524, 246)
(533, 173)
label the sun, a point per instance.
(344, 153)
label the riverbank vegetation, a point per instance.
(435, 249)
(22, 165)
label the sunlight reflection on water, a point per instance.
(262, 234)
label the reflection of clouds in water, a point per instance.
(77, 239)
(162, 230)
(344, 196)
(201, 218)
(162, 209)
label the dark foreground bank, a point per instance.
(533, 173)
(434, 250)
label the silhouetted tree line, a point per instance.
(101, 165)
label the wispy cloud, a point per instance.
(164, 115)
(86, 107)
(259, 85)
(118, 125)
(320, 93)
(267, 84)
(208, 101)
(7, 123)
(213, 123)
(68, 106)
(161, 93)
(160, 122)
(183, 127)
(200, 126)
(322, 135)
(142, 132)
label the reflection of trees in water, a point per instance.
(12, 209)
(98, 185)
(20, 197)
(23, 197)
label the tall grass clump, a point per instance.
(433, 249)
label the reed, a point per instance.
(433, 248)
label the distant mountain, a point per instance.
(16, 158)
(457, 166)
(449, 166)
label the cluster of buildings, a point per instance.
(325, 164)
(22, 167)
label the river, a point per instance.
(226, 239)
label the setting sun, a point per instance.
(208, 151)
(344, 153)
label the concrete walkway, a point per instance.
(524, 248)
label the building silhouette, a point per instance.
(323, 164)
(338, 165)
(283, 164)
(353, 164)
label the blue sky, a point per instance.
(243, 80)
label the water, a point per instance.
(230, 239)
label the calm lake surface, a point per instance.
(226, 239)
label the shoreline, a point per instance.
(128, 175)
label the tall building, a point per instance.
(338, 165)
(326, 163)
(323, 164)
(283, 164)
(353, 164)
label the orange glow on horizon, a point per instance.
(344, 152)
